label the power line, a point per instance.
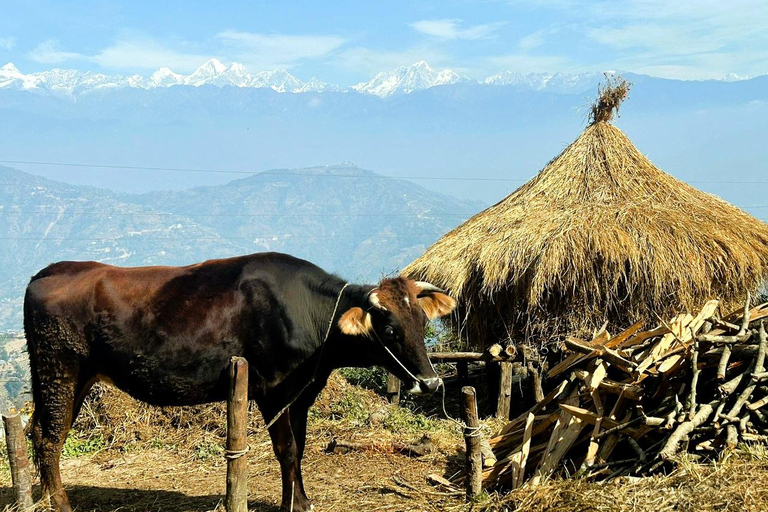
(60, 211)
(198, 239)
(305, 175)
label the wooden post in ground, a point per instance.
(237, 437)
(504, 401)
(393, 389)
(18, 461)
(474, 466)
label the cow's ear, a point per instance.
(437, 304)
(355, 322)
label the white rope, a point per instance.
(322, 347)
(468, 431)
(236, 454)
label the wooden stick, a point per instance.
(237, 437)
(691, 403)
(538, 392)
(493, 353)
(685, 428)
(393, 389)
(608, 354)
(17, 459)
(758, 368)
(504, 400)
(719, 338)
(722, 368)
(524, 451)
(474, 464)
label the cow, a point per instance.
(166, 335)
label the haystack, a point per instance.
(599, 235)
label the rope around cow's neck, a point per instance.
(319, 358)
(468, 431)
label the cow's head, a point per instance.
(394, 316)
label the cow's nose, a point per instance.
(430, 385)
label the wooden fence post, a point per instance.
(18, 461)
(237, 437)
(393, 389)
(472, 438)
(504, 402)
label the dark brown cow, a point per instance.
(165, 335)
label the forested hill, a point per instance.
(348, 220)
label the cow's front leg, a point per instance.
(298, 416)
(287, 452)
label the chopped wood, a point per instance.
(636, 400)
(719, 338)
(489, 459)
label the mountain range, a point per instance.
(343, 218)
(403, 80)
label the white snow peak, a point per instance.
(407, 79)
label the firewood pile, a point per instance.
(628, 404)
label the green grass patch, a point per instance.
(374, 378)
(405, 421)
(207, 450)
(79, 444)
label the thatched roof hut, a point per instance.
(600, 234)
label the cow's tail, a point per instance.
(33, 341)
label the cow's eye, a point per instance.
(389, 331)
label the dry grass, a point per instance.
(737, 483)
(609, 97)
(600, 234)
(152, 462)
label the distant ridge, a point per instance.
(404, 80)
(359, 228)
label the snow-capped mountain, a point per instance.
(209, 73)
(553, 82)
(164, 77)
(403, 80)
(407, 79)
(279, 80)
(10, 76)
(316, 85)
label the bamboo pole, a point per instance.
(18, 461)
(237, 437)
(474, 464)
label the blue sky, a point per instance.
(346, 42)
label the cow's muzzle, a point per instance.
(425, 386)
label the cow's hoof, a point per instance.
(300, 504)
(305, 506)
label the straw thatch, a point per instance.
(600, 234)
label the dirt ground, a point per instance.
(126, 456)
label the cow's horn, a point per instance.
(373, 298)
(426, 288)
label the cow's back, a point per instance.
(166, 334)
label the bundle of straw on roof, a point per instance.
(600, 234)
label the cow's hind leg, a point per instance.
(284, 444)
(56, 390)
